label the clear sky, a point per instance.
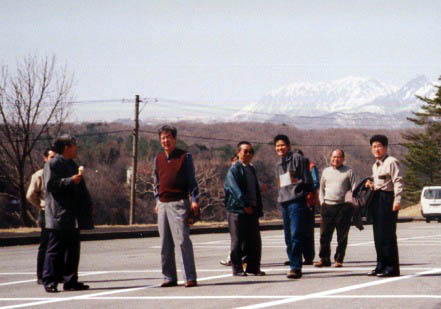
(227, 52)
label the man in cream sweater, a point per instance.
(336, 180)
(35, 196)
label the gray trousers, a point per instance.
(174, 230)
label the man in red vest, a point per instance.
(174, 183)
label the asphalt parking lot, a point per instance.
(126, 274)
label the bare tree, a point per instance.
(33, 105)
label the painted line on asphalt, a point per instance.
(399, 239)
(194, 297)
(35, 280)
(17, 282)
(91, 296)
(338, 290)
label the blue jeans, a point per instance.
(294, 218)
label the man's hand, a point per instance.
(156, 209)
(369, 184)
(195, 208)
(396, 207)
(77, 178)
(248, 210)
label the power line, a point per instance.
(199, 105)
(209, 138)
(235, 109)
(271, 142)
(122, 100)
(76, 135)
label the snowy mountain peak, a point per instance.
(323, 97)
(348, 95)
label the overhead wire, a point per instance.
(76, 136)
(270, 142)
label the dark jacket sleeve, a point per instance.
(55, 177)
(235, 199)
(315, 178)
(192, 183)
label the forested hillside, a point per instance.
(105, 150)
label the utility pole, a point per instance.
(134, 162)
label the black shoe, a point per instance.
(286, 263)
(51, 288)
(40, 281)
(308, 262)
(169, 283)
(239, 273)
(294, 274)
(374, 272)
(386, 274)
(257, 273)
(77, 286)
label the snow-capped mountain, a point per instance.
(346, 102)
(404, 99)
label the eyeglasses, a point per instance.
(248, 151)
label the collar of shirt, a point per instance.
(381, 161)
(245, 165)
(170, 156)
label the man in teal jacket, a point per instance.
(244, 207)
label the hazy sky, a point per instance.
(222, 51)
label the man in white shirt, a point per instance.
(388, 187)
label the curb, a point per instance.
(11, 239)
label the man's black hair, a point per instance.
(244, 143)
(167, 128)
(46, 152)
(282, 137)
(379, 138)
(62, 141)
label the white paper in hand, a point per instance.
(285, 180)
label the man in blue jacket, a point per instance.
(244, 207)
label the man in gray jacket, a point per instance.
(295, 182)
(336, 180)
(68, 209)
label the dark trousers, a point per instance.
(334, 217)
(385, 232)
(294, 227)
(44, 238)
(308, 248)
(62, 257)
(246, 242)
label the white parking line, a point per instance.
(34, 280)
(399, 239)
(91, 296)
(339, 290)
(17, 282)
(194, 297)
